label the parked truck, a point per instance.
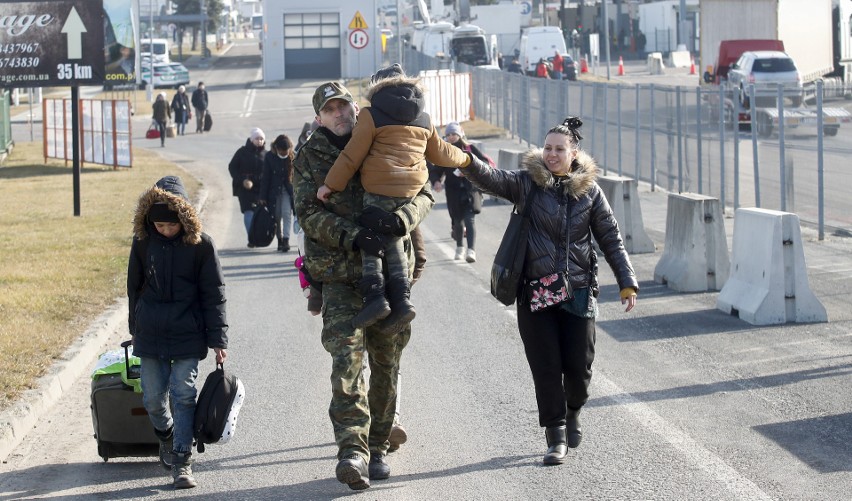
(471, 45)
(803, 25)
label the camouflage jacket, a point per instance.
(330, 228)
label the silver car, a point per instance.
(767, 70)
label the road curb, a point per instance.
(17, 421)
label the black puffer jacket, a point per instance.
(277, 177)
(564, 217)
(247, 163)
(175, 285)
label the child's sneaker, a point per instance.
(471, 256)
(459, 253)
(182, 471)
(166, 439)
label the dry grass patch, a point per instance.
(58, 272)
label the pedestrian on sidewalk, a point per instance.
(181, 107)
(464, 201)
(200, 102)
(161, 115)
(246, 169)
(276, 188)
(557, 303)
(176, 294)
(335, 233)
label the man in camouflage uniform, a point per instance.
(334, 233)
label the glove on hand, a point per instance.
(371, 243)
(381, 221)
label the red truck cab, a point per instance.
(731, 50)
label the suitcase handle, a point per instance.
(130, 375)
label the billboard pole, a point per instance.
(75, 145)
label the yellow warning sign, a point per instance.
(358, 22)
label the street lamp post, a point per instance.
(149, 88)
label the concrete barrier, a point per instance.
(655, 63)
(696, 254)
(509, 159)
(769, 280)
(680, 59)
(623, 196)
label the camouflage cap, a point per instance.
(328, 91)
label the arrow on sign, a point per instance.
(75, 28)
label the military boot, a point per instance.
(182, 470)
(165, 438)
(575, 433)
(556, 447)
(375, 306)
(402, 311)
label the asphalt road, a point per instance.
(687, 402)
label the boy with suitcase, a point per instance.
(176, 297)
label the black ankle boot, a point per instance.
(375, 307)
(556, 448)
(284, 245)
(166, 442)
(572, 422)
(402, 311)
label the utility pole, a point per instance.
(149, 89)
(606, 36)
(203, 30)
(681, 39)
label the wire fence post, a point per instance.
(653, 144)
(754, 129)
(781, 153)
(820, 166)
(698, 131)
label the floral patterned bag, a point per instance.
(549, 290)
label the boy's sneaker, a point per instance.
(471, 256)
(182, 471)
(166, 439)
(459, 253)
(397, 437)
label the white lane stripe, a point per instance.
(739, 486)
(248, 103)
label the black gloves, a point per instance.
(381, 222)
(370, 242)
(476, 162)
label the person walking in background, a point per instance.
(515, 66)
(276, 188)
(161, 114)
(176, 293)
(557, 303)
(391, 176)
(542, 69)
(307, 130)
(200, 102)
(182, 111)
(246, 169)
(336, 232)
(464, 201)
(557, 66)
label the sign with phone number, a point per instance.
(51, 43)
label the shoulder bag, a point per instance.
(508, 267)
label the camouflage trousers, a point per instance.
(361, 418)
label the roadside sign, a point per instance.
(358, 39)
(51, 43)
(358, 22)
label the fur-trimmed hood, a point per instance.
(171, 191)
(399, 97)
(583, 175)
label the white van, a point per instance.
(160, 50)
(540, 42)
(436, 40)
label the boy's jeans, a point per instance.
(164, 380)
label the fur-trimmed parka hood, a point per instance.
(169, 190)
(399, 97)
(583, 175)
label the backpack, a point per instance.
(262, 229)
(217, 409)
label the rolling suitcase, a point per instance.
(208, 122)
(122, 426)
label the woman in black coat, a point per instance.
(182, 111)
(567, 212)
(276, 188)
(246, 169)
(464, 201)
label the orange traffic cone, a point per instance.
(584, 67)
(691, 65)
(620, 66)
